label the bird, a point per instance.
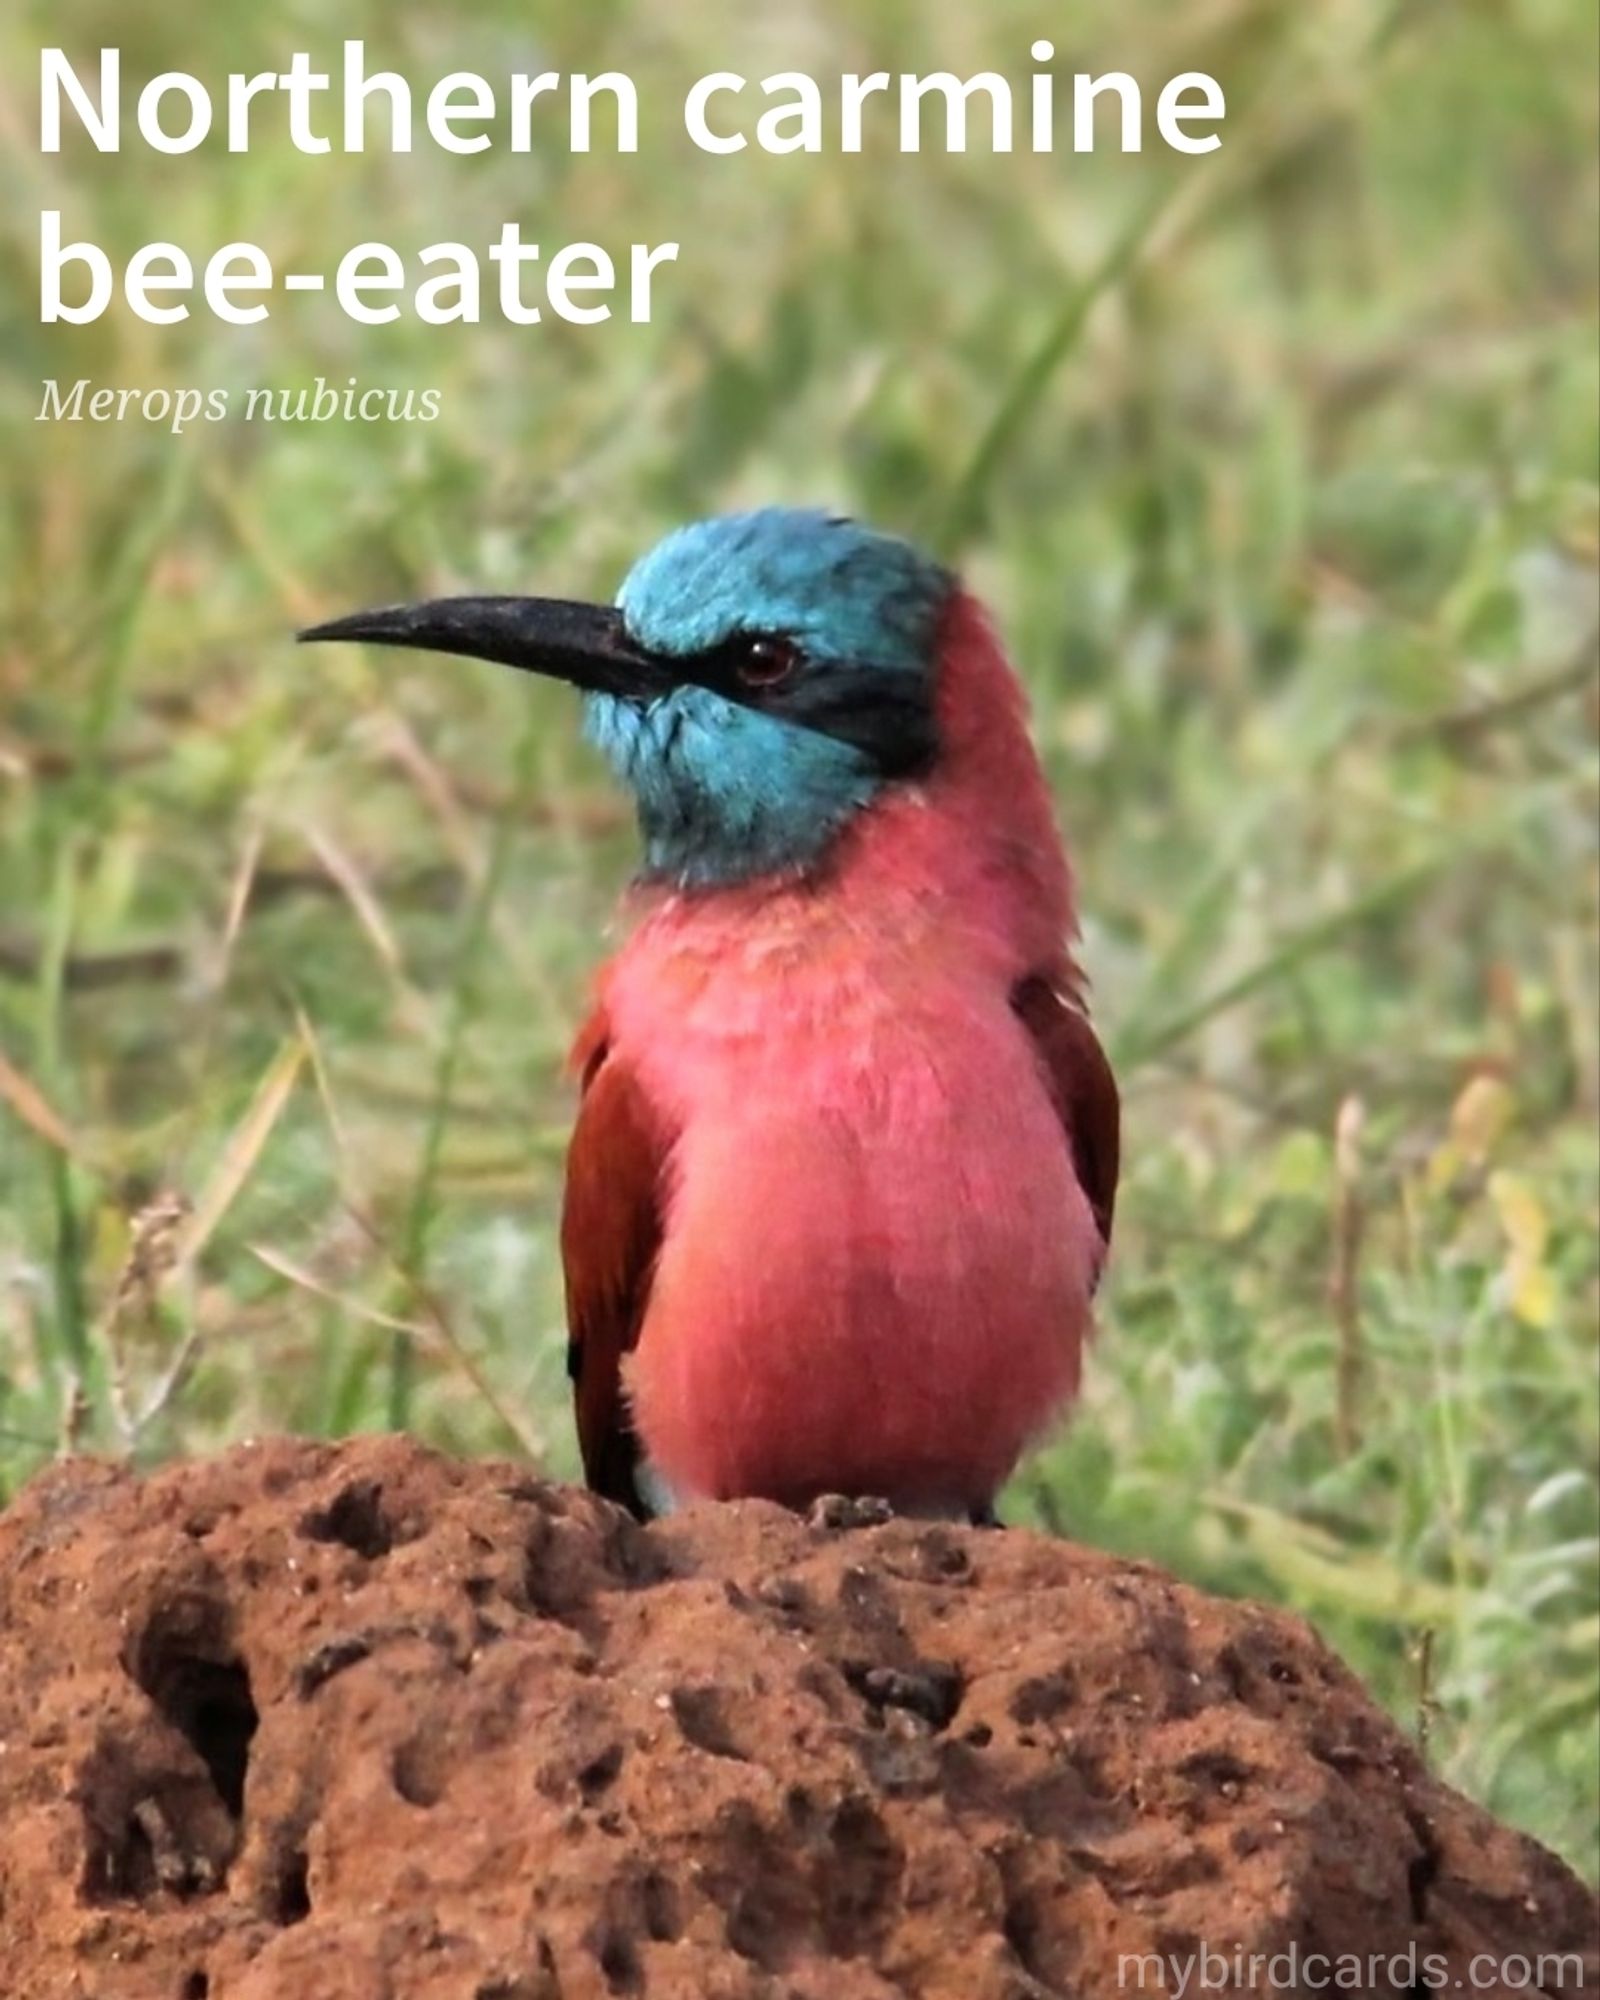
(842, 1177)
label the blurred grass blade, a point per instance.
(463, 998)
(1299, 947)
(1316, 1565)
(1034, 377)
(67, 1249)
(239, 892)
(1179, 961)
(35, 1110)
(447, 1340)
(324, 1087)
(344, 872)
(396, 741)
(243, 1149)
(307, 1281)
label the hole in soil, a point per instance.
(663, 1918)
(210, 1703)
(858, 1883)
(1021, 1927)
(701, 1713)
(418, 1770)
(196, 1987)
(619, 1961)
(355, 1519)
(600, 1773)
(203, 1689)
(290, 1902)
(1424, 1865)
(1218, 1769)
(329, 1660)
(119, 1864)
(931, 1689)
(1043, 1698)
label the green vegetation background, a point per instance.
(1279, 470)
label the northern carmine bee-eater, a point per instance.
(842, 1178)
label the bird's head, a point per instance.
(761, 678)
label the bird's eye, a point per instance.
(763, 661)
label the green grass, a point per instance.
(1280, 473)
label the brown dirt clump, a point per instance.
(361, 1722)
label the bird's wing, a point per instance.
(1082, 1087)
(610, 1232)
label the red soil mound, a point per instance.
(366, 1723)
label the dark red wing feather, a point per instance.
(1084, 1090)
(610, 1233)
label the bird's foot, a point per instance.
(842, 1511)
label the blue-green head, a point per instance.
(761, 678)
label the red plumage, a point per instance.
(1082, 1088)
(611, 1221)
(845, 1165)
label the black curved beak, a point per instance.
(585, 644)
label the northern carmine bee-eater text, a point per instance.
(349, 106)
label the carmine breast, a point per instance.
(876, 1261)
